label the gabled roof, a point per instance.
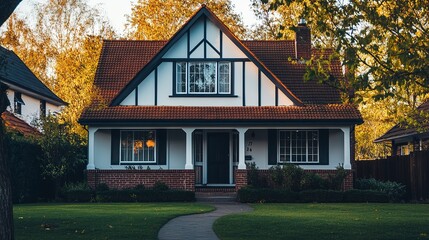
(176, 114)
(13, 71)
(123, 64)
(402, 131)
(15, 124)
(156, 60)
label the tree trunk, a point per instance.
(6, 214)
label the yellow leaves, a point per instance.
(160, 19)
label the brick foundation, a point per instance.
(240, 178)
(118, 179)
(347, 184)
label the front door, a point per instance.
(218, 158)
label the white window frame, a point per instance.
(133, 160)
(291, 147)
(187, 80)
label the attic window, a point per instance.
(18, 102)
(203, 78)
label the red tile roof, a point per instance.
(276, 56)
(340, 112)
(121, 60)
(14, 123)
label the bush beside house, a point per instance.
(158, 193)
(290, 183)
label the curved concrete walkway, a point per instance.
(199, 226)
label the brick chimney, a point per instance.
(302, 40)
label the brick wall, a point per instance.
(118, 179)
(240, 178)
(347, 184)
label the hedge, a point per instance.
(258, 195)
(129, 195)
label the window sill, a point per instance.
(204, 95)
(138, 163)
(303, 163)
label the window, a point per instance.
(203, 78)
(299, 146)
(42, 108)
(138, 146)
(17, 106)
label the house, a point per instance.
(405, 139)
(193, 110)
(29, 98)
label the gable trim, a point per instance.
(157, 59)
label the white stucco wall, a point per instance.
(256, 146)
(176, 154)
(30, 112)
(146, 89)
(175, 151)
(260, 149)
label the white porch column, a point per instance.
(347, 164)
(241, 148)
(189, 164)
(91, 148)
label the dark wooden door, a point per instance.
(218, 158)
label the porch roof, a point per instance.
(330, 112)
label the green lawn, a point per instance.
(327, 221)
(97, 221)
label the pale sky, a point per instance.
(115, 10)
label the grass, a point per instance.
(97, 221)
(327, 221)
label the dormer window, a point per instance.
(18, 102)
(203, 78)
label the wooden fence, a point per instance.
(411, 170)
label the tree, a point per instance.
(6, 214)
(383, 44)
(160, 19)
(383, 47)
(62, 49)
(274, 25)
(62, 151)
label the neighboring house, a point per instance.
(29, 98)
(406, 139)
(195, 109)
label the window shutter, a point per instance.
(324, 146)
(115, 147)
(161, 146)
(272, 147)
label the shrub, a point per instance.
(148, 195)
(252, 174)
(254, 195)
(102, 187)
(139, 187)
(335, 181)
(25, 169)
(357, 195)
(276, 176)
(321, 196)
(312, 181)
(77, 192)
(292, 177)
(394, 190)
(160, 186)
